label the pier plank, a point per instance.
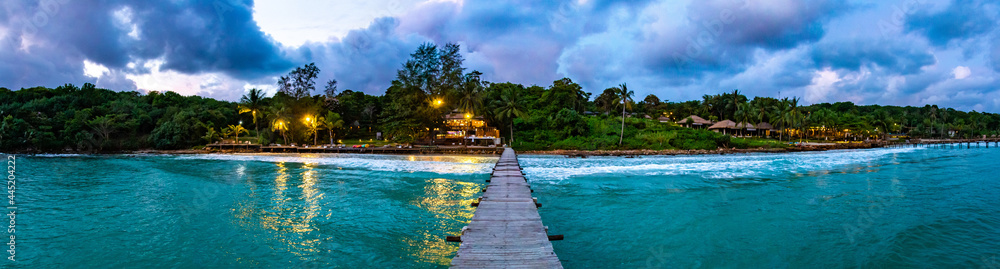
(506, 231)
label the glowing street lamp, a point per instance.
(468, 118)
(438, 102)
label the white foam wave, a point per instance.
(706, 166)
(390, 163)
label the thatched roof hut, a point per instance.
(726, 124)
(764, 126)
(744, 125)
(695, 120)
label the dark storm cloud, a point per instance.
(962, 19)
(206, 35)
(191, 37)
(676, 49)
(721, 36)
(897, 57)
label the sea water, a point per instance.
(878, 208)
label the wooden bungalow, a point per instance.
(694, 121)
(723, 126)
(765, 128)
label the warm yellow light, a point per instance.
(438, 102)
(468, 116)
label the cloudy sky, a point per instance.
(896, 52)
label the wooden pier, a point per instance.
(950, 143)
(506, 230)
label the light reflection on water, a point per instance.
(365, 211)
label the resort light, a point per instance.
(438, 102)
(468, 116)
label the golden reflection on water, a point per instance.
(288, 220)
(291, 221)
(439, 198)
(311, 197)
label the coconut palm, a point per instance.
(744, 114)
(470, 98)
(280, 116)
(624, 96)
(253, 103)
(331, 122)
(236, 130)
(312, 126)
(226, 132)
(511, 107)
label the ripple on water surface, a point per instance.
(880, 208)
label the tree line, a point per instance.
(432, 83)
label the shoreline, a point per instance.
(719, 151)
(567, 153)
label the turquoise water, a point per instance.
(880, 208)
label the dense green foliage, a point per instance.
(429, 85)
(88, 118)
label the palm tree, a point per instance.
(312, 125)
(331, 122)
(794, 117)
(743, 114)
(471, 94)
(226, 132)
(280, 116)
(511, 107)
(253, 103)
(236, 130)
(624, 96)
(882, 121)
(736, 101)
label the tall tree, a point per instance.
(625, 97)
(744, 114)
(652, 104)
(299, 83)
(331, 89)
(607, 101)
(312, 127)
(253, 103)
(422, 70)
(331, 122)
(511, 107)
(451, 77)
(104, 126)
(280, 116)
(564, 93)
(470, 96)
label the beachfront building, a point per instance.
(764, 129)
(467, 129)
(743, 128)
(725, 127)
(694, 121)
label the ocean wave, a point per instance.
(390, 163)
(705, 166)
